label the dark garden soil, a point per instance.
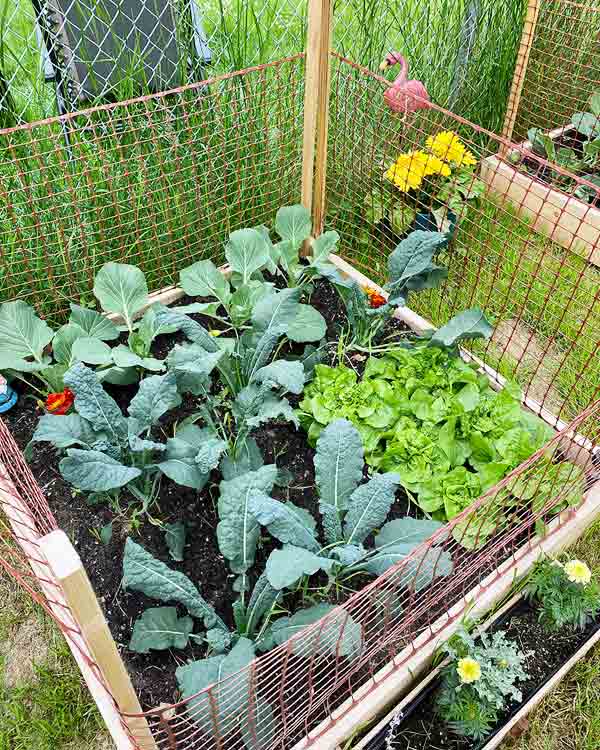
(423, 729)
(153, 674)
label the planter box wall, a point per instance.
(112, 690)
(566, 220)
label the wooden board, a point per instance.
(566, 220)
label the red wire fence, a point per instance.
(161, 180)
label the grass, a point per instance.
(52, 709)
(463, 49)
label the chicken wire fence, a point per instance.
(160, 181)
(61, 55)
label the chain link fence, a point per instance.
(61, 55)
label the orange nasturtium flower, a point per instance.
(60, 403)
(375, 299)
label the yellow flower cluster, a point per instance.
(578, 572)
(409, 169)
(448, 147)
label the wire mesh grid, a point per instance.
(544, 297)
(63, 53)
(174, 171)
(563, 70)
(151, 144)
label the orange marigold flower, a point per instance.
(375, 299)
(60, 403)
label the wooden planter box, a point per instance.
(565, 219)
(375, 737)
(63, 580)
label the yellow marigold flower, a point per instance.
(431, 164)
(578, 572)
(406, 172)
(468, 670)
(447, 146)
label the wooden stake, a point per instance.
(531, 19)
(316, 110)
(79, 595)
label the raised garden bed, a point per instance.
(416, 722)
(567, 220)
(153, 673)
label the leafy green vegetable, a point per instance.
(160, 628)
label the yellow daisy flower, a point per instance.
(447, 146)
(406, 173)
(578, 572)
(432, 165)
(468, 670)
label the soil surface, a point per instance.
(424, 729)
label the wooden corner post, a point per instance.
(69, 573)
(514, 99)
(316, 110)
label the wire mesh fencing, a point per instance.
(62, 55)
(526, 256)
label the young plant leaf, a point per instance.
(338, 635)
(23, 338)
(247, 252)
(369, 505)
(293, 224)
(156, 395)
(64, 431)
(93, 323)
(180, 461)
(160, 628)
(282, 521)
(338, 471)
(289, 375)
(209, 454)
(122, 289)
(175, 534)
(144, 573)
(94, 471)
(262, 600)
(62, 344)
(91, 351)
(467, 325)
(307, 325)
(323, 246)
(94, 404)
(203, 279)
(406, 531)
(288, 565)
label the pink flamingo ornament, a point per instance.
(404, 96)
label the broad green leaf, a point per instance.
(118, 375)
(307, 325)
(94, 471)
(247, 458)
(193, 330)
(192, 365)
(338, 472)
(271, 317)
(150, 327)
(369, 505)
(273, 408)
(203, 279)
(210, 309)
(175, 534)
(62, 343)
(218, 640)
(595, 104)
(156, 395)
(122, 289)
(406, 530)
(262, 600)
(283, 373)
(244, 298)
(91, 351)
(144, 573)
(337, 635)
(94, 404)
(232, 702)
(419, 569)
(410, 264)
(139, 445)
(180, 464)
(587, 124)
(210, 453)
(159, 628)
(53, 375)
(247, 252)
(238, 530)
(93, 323)
(125, 358)
(323, 246)
(23, 338)
(288, 565)
(282, 522)
(293, 223)
(63, 431)
(467, 325)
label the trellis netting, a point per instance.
(160, 180)
(70, 53)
